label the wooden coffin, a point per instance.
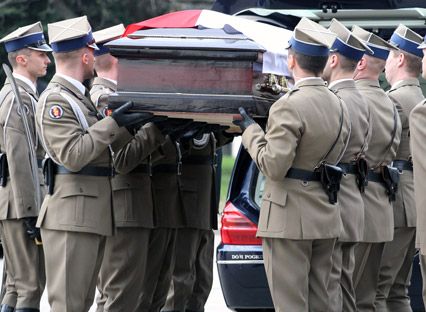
(204, 75)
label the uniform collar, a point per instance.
(367, 83)
(337, 84)
(109, 83)
(26, 81)
(405, 82)
(77, 84)
(309, 81)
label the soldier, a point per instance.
(106, 68)
(380, 192)
(193, 268)
(299, 220)
(347, 50)
(403, 67)
(418, 150)
(27, 53)
(123, 267)
(76, 215)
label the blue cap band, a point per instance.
(378, 52)
(102, 50)
(406, 45)
(73, 44)
(346, 50)
(308, 49)
(20, 43)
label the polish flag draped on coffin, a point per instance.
(201, 65)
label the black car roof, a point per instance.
(233, 6)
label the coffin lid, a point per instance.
(187, 38)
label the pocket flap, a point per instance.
(80, 190)
(277, 197)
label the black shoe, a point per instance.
(26, 310)
(7, 308)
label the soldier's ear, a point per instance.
(401, 59)
(291, 61)
(21, 59)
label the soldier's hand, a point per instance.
(187, 132)
(246, 120)
(132, 120)
(32, 231)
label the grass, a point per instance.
(227, 165)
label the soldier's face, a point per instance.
(391, 66)
(89, 63)
(37, 63)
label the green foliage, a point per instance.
(101, 13)
(227, 166)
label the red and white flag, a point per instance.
(273, 39)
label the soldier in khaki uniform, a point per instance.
(27, 53)
(193, 268)
(106, 68)
(123, 267)
(76, 215)
(386, 133)
(299, 222)
(417, 125)
(403, 67)
(347, 50)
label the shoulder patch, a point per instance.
(56, 112)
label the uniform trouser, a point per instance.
(298, 273)
(159, 269)
(422, 259)
(193, 271)
(25, 275)
(395, 272)
(73, 260)
(123, 269)
(340, 287)
(366, 274)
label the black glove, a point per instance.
(30, 228)
(246, 120)
(187, 132)
(130, 120)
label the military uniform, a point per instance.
(341, 290)
(120, 280)
(298, 222)
(418, 148)
(397, 259)
(193, 269)
(24, 261)
(77, 216)
(386, 133)
(168, 217)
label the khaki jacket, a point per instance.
(17, 198)
(79, 203)
(132, 189)
(418, 149)
(351, 204)
(99, 92)
(197, 184)
(377, 208)
(301, 128)
(406, 95)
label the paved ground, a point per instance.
(215, 302)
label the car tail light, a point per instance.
(237, 229)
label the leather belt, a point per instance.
(403, 165)
(304, 175)
(197, 160)
(375, 177)
(348, 168)
(165, 168)
(88, 170)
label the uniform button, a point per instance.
(29, 208)
(112, 135)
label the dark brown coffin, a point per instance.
(205, 75)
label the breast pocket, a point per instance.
(273, 213)
(79, 204)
